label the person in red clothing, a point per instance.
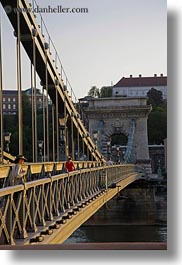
(69, 165)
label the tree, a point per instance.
(157, 126)
(106, 92)
(27, 110)
(155, 97)
(94, 92)
(157, 120)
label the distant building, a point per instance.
(10, 100)
(139, 86)
(39, 99)
(84, 102)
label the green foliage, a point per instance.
(157, 126)
(154, 97)
(94, 92)
(157, 120)
(104, 92)
(11, 125)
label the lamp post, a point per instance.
(40, 148)
(159, 173)
(108, 149)
(95, 136)
(123, 156)
(63, 146)
(117, 149)
(7, 136)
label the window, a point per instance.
(14, 106)
(14, 99)
(4, 106)
(9, 99)
(9, 106)
(4, 99)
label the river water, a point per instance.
(142, 217)
(119, 233)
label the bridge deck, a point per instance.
(93, 246)
(48, 210)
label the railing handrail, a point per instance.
(51, 199)
(45, 180)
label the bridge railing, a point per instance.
(36, 171)
(35, 205)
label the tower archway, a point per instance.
(117, 115)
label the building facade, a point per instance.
(10, 100)
(139, 86)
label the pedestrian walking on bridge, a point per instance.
(18, 174)
(70, 165)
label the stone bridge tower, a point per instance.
(109, 116)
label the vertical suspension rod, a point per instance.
(33, 131)
(35, 95)
(19, 85)
(57, 126)
(1, 102)
(44, 123)
(53, 138)
(72, 138)
(78, 144)
(65, 127)
(47, 107)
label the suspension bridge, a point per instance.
(53, 203)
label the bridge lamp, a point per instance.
(62, 128)
(108, 143)
(95, 136)
(159, 172)
(7, 136)
(62, 134)
(40, 146)
(123, 152)
(117, 149)
(108, 148)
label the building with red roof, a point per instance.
(139, 86)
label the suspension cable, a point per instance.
(1, 104)
(19, 85)
(33, 132)
(35, 96)
(57, 126)
(72, 139)
(53, 138)
(47, 105)
(78, 145)
(43, 121)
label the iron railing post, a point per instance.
(9, 220)
(23, 233)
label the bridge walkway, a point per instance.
(48, 210)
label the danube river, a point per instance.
(136, 215)
(119, 233)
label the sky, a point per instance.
(115, 38)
